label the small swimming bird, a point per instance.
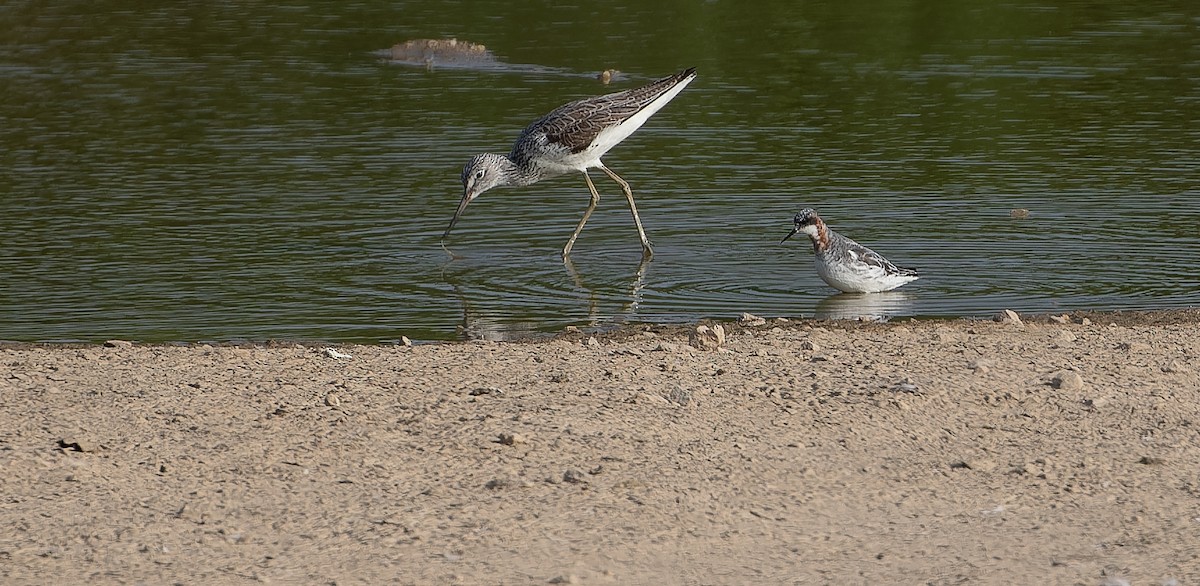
(846, 264)
(572, 138)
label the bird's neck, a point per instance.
(519, 172)
(515, 173)
(820, 238)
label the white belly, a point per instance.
(858, 277)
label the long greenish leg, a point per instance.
(646, 250)
(586, 214)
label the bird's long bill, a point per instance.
(462, 205)
(790, 234)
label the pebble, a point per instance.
(751, 320)
(1061, 319)
(1067, 380)
(333, 353)
(592, 342)
(1176, 366)
(981, 365)
(1009, 316)
(511, 438)
(809, 346)
(405, 341)
(574, 477)
(117, 344)
(565, 579)
(1065, 337)
(571, 329)
(708, 338)
(1134, 347)
(905, 386)
(78, 444)
(680, 396)
(480, 391)
(1018, 213)
(333, 400)
(666, 347)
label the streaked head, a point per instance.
(806, 221)
(481, 173)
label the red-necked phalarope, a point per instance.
(846, 264)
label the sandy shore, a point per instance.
(943, 452)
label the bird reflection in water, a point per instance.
(865, 306)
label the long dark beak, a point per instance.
(790, 234)
(462, 205)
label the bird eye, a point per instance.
(479, 174)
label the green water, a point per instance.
(226, 171)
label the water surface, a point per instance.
(224, 172)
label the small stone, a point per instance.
(1151, 460)
(78, 444)
(1018, 213)
(981, 464)
(481, 391)
(565, 579)
(680, 396)
(1009, 316)
(708, 338)
(1061, 319)
(1085, 321)
(1176, 366)
(981, 365)
(1065, 337)
(333, 353)
(905, 386)
(117, 344)
(405, 341)
(1134, 347)
(571, 329)
(751, 320)
(592, 342)
(574, 477)
(808, 346)
(1095, 403)
(333, 400)
(497, 484)
(510, 439)
(761, 352)
(666, 347)
(1067, 380)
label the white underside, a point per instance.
(858, 277)
(611, 137)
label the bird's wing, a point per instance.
(874, 259)
(576, 125)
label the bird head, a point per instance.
(480, 174)
(806, 221)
